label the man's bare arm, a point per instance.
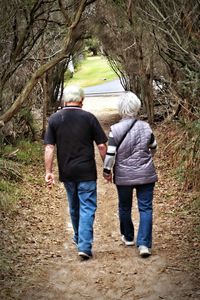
(48, 161)
(102, 150)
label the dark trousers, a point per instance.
(144, 195)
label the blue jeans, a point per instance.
(82, 199)
(144, 195)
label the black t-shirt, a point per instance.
(73, 131)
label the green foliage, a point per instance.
(27, 123)
(190, 88)
(9, 193)
(119, 2)
(27, 115)
(68, 75)
(92, 46)
(93, 71)
(10, 170)
(24, 152)
(187, 154)
(13, 165)
(30, 152)
(182, 150)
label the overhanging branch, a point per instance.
(21, 99)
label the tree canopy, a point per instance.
(146, 42)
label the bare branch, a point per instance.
(67, 44)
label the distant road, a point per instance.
(107, 87)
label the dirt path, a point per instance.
(116, 272)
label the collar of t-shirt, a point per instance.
(72, 106)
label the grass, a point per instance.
(92, 71)
(17, 164)
(25, 152)
(9, 194)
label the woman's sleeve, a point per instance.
(153, 144)
(110, 155)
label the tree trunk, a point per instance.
(148, 99)
(45, 104)
(146, 84)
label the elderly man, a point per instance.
(74, 132)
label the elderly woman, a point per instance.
(131, 146)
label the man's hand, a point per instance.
(108, 177)
(50, 180)
(48, 159)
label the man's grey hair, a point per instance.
(73, 93)
(129, 105)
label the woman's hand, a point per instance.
(107, 176)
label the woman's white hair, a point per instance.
(73, 93)
(129, 105)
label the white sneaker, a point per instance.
(144, 251)
(84, 256)
(127, 243)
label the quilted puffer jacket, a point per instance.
(133, 163)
